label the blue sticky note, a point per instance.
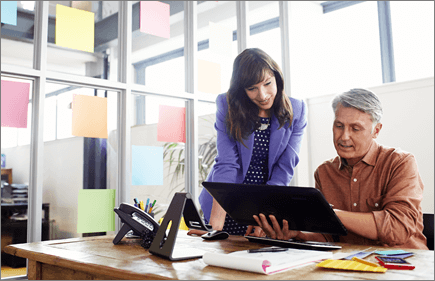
(392, 252)
(9, 12)
(147, 165)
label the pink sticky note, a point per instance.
(172, 124)
(154, 18)
(15, 100)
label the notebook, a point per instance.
(305, 208)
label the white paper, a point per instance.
(265, 263)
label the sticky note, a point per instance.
(147, 165)
(209, 77)
(9, 12)
(350, 265)
(172, 124)
(89, 116)
(221, 39)
(95, 210)
(14, 100)
(74, 29)
(391, 252)
(154, 18)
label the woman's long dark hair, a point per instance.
(251, 67)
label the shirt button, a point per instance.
(354, 180)
(354, 204)
(376, 204)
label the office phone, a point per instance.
(140, 222)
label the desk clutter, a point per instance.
(14, 193)
(160, 239)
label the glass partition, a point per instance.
(158, 147)
(83, 38)
(15, 163)
(17, 33)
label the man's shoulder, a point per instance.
(330, 163)
(396, 154)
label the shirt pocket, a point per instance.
(374, 203)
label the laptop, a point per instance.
(305, 208)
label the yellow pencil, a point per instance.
(365, 262)
(141, 205)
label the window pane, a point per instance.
(206, 139)
(76, 163)
(72, 55)
(413, 39)
(19, 37)
(263, 20)
(15, 181)
(151, 139)
(217, 25)
(335, 51)
(159, 61)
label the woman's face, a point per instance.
(263, 94)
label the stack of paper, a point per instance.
(266, 262)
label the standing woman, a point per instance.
(259, 133)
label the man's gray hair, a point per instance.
(361, 99)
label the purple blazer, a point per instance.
(233, 159)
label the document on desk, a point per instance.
(266, 262)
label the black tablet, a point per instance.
(305, 208)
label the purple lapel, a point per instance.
(275, 143)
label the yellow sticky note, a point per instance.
(209, 77)
(75, 28)
(89, 116)
(350, 265)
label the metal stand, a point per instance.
(181, 204)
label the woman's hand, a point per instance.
(258, 232)
(196, 232)
(275, 232)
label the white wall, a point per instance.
(408, 123)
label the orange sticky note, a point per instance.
(209, 77)
(154, 18)
(172, 124)
(89, 116)
(74, 29)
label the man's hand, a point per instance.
(275, 232)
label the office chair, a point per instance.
(428, 220)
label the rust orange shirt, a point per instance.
(386, 183)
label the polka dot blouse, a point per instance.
(257, 172)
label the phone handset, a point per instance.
(134, 219)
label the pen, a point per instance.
(141, 205)
(146, 206)
(151, 208)
(365, 262)
(267, 250)
(136, 201)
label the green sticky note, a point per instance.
(95, 210)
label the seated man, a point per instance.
(376, 191)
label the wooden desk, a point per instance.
(98, 258)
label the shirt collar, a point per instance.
(369, 158)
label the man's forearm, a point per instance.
(359, 223)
